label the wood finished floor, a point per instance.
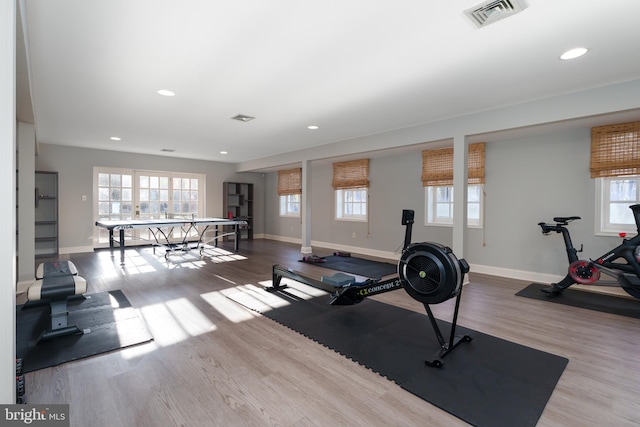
(213, 363)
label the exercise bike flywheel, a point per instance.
(584, 272)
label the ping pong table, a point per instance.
(162, 229)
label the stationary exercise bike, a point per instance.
(621, 264)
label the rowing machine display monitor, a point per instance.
(407, 216)
(407, 220)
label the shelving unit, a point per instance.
(46, 214)
(238, 203)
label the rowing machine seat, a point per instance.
(338, 280)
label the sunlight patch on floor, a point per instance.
(256, 298)
(139, 350)
(226, 280)
(174, 321)
(134, 263)
(229, 309)
(297, 289)
(150, 259)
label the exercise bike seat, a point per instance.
(565, 219)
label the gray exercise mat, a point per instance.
(108, 319)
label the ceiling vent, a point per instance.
(242, 118)
(493, 10)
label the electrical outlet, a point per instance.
(353, 235)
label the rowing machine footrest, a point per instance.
(338, 280)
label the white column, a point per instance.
(460, 173)
(305, 204)
(8, 197)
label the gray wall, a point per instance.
(528, 180)
(75, 178)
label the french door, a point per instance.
(121, 194)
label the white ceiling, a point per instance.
(351, 67)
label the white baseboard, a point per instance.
(282, 238)
(363, 251)
(75, 250)
(515, 274)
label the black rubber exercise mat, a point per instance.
(622, 306)
(107, 319)
(485, 382)
(359, 266)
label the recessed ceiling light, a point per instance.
(165, 92)
(574, 53)
(312, 127)
(224, 152)
(242, 118)
(115, 138)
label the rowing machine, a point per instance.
(429, 273)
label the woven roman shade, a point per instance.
(352, 174)
(615, 150)
(437, 166)
(290, 181)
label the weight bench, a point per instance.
(56, 283)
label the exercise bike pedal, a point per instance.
(552, 290)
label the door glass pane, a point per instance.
(112, 188)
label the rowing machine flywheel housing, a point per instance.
(431, 273)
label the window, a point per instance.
(437, 178)
(289, 191)
(439, 205)
(615, 195)
(290, 205)
(615, 165)
(351, 182)
(128, 194)
(115, 195)
(351, 204)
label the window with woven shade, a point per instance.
(289, 191)
(615, 166)
(290, 181)
(615, 150)
(351, 174)
(437, 178)
(351, 182)
(437, 166)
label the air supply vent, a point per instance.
(242, 118)
(494, 10)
